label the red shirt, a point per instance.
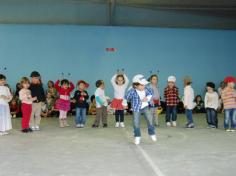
(172, 96)
(63, 91)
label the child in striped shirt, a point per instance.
(229, 101)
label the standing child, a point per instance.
(37, 91)
(26, 104)
(80, 97)
(140, 97)
(229, 100)
(211, 105)
(101, 105)
(188, 101)
(171, 94)
(64, 88)
(5, 98)
(119, 82)
(155, 102)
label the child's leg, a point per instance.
(98, 116)
(149, 119)
(226, 119)
(104, 115)
(189, 116)
(77, 116)
(136, 124)
(208, 116)
(174, 114)
(38, 113)
(84, 118)
(168, 114)
(117, 115)
(233, 119)
(122, 116)
(32, 119)
(26, 113)
(214, 119)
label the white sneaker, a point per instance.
(81, 125)
(117, 125)
(174, 124)
(154, 138)
(232, 130)
(33, 128)
(168, 124)
(78, 126)
(122, 125)
(137, 140)
(37, 128)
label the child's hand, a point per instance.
(34, 98)
(73, 101)
(125, 107)
(4, 97)
(83, 93)
(145, 99)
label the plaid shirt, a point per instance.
(171, 96)
(133, 97)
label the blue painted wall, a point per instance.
(206, 55)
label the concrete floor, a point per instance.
(111, 152)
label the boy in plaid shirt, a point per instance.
(140, 97)
(171, 95)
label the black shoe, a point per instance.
(94, 126)
(30, 130)
(25, 131)
(104, 125)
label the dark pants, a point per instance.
(171, 113)
(211, 116)
(101, 114)
(119, 114)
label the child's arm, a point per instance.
(205, 100)
(86, 97)
(57, 85)
(99, 100)
(126, 81)
(72, 86)
(113, 80)
(186, 97)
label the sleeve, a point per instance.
(57, 85)
(75, 95)
(113, 80)
(72, 86)
(186, 96)
(205, 100)
(149, 94)
(87, 96)
(127, 97)
(165, 93)
(43, 94)
(98, 98)
(9, 95)
(126, 81)
(23, 96)
(216, 102)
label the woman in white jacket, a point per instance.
(188, 101)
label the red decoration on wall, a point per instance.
(111, 49)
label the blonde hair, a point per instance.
(24, 80)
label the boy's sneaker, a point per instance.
(81, 125)
(174, 124)
(232, 130)
(30, 130)
(168, 124)
(117, 125)
(228, 130)
(104, 125)
(37, 128)
(78, 126)
(25, 130)
(154, 138)
(137, 140)
(33, 128)
(94, 126)
(122, 125)
(191, 125)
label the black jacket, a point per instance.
(37, 91)
(81, 101)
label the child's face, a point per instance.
(35, 80)
(50, 85)
(25, 85)
(2, 82)
(81, 86)
(102, 86)
(209, 89)
(49, 95)
(140, 87)
(171, 84)
(13, 102)
(231, 85)
(65, 86)
(199, 99)
(154, 80)
(120, 80)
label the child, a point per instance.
(26, 104)
(92, 106)
(188, 101)
(37, 91)
(101, 105)
(140, 97)
(14, 108)
(48, 107)
(5, 116)
(155, 102)
(80, 97)
(64, 88)
(229, 100)
(171, 94)
(119, 82)
(211, 105)
(199, 104)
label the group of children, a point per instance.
(144, 97)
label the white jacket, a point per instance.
(189, 97)
(211, 100)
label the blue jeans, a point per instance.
(171, 113)
(211, 115)
(80, 117)
(230, 118)
(137, 118)
(189, 115)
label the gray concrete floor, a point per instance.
(110, 152)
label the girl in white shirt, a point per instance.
(119, 82)
(211, 105)
(188, 101)
(5, 98)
